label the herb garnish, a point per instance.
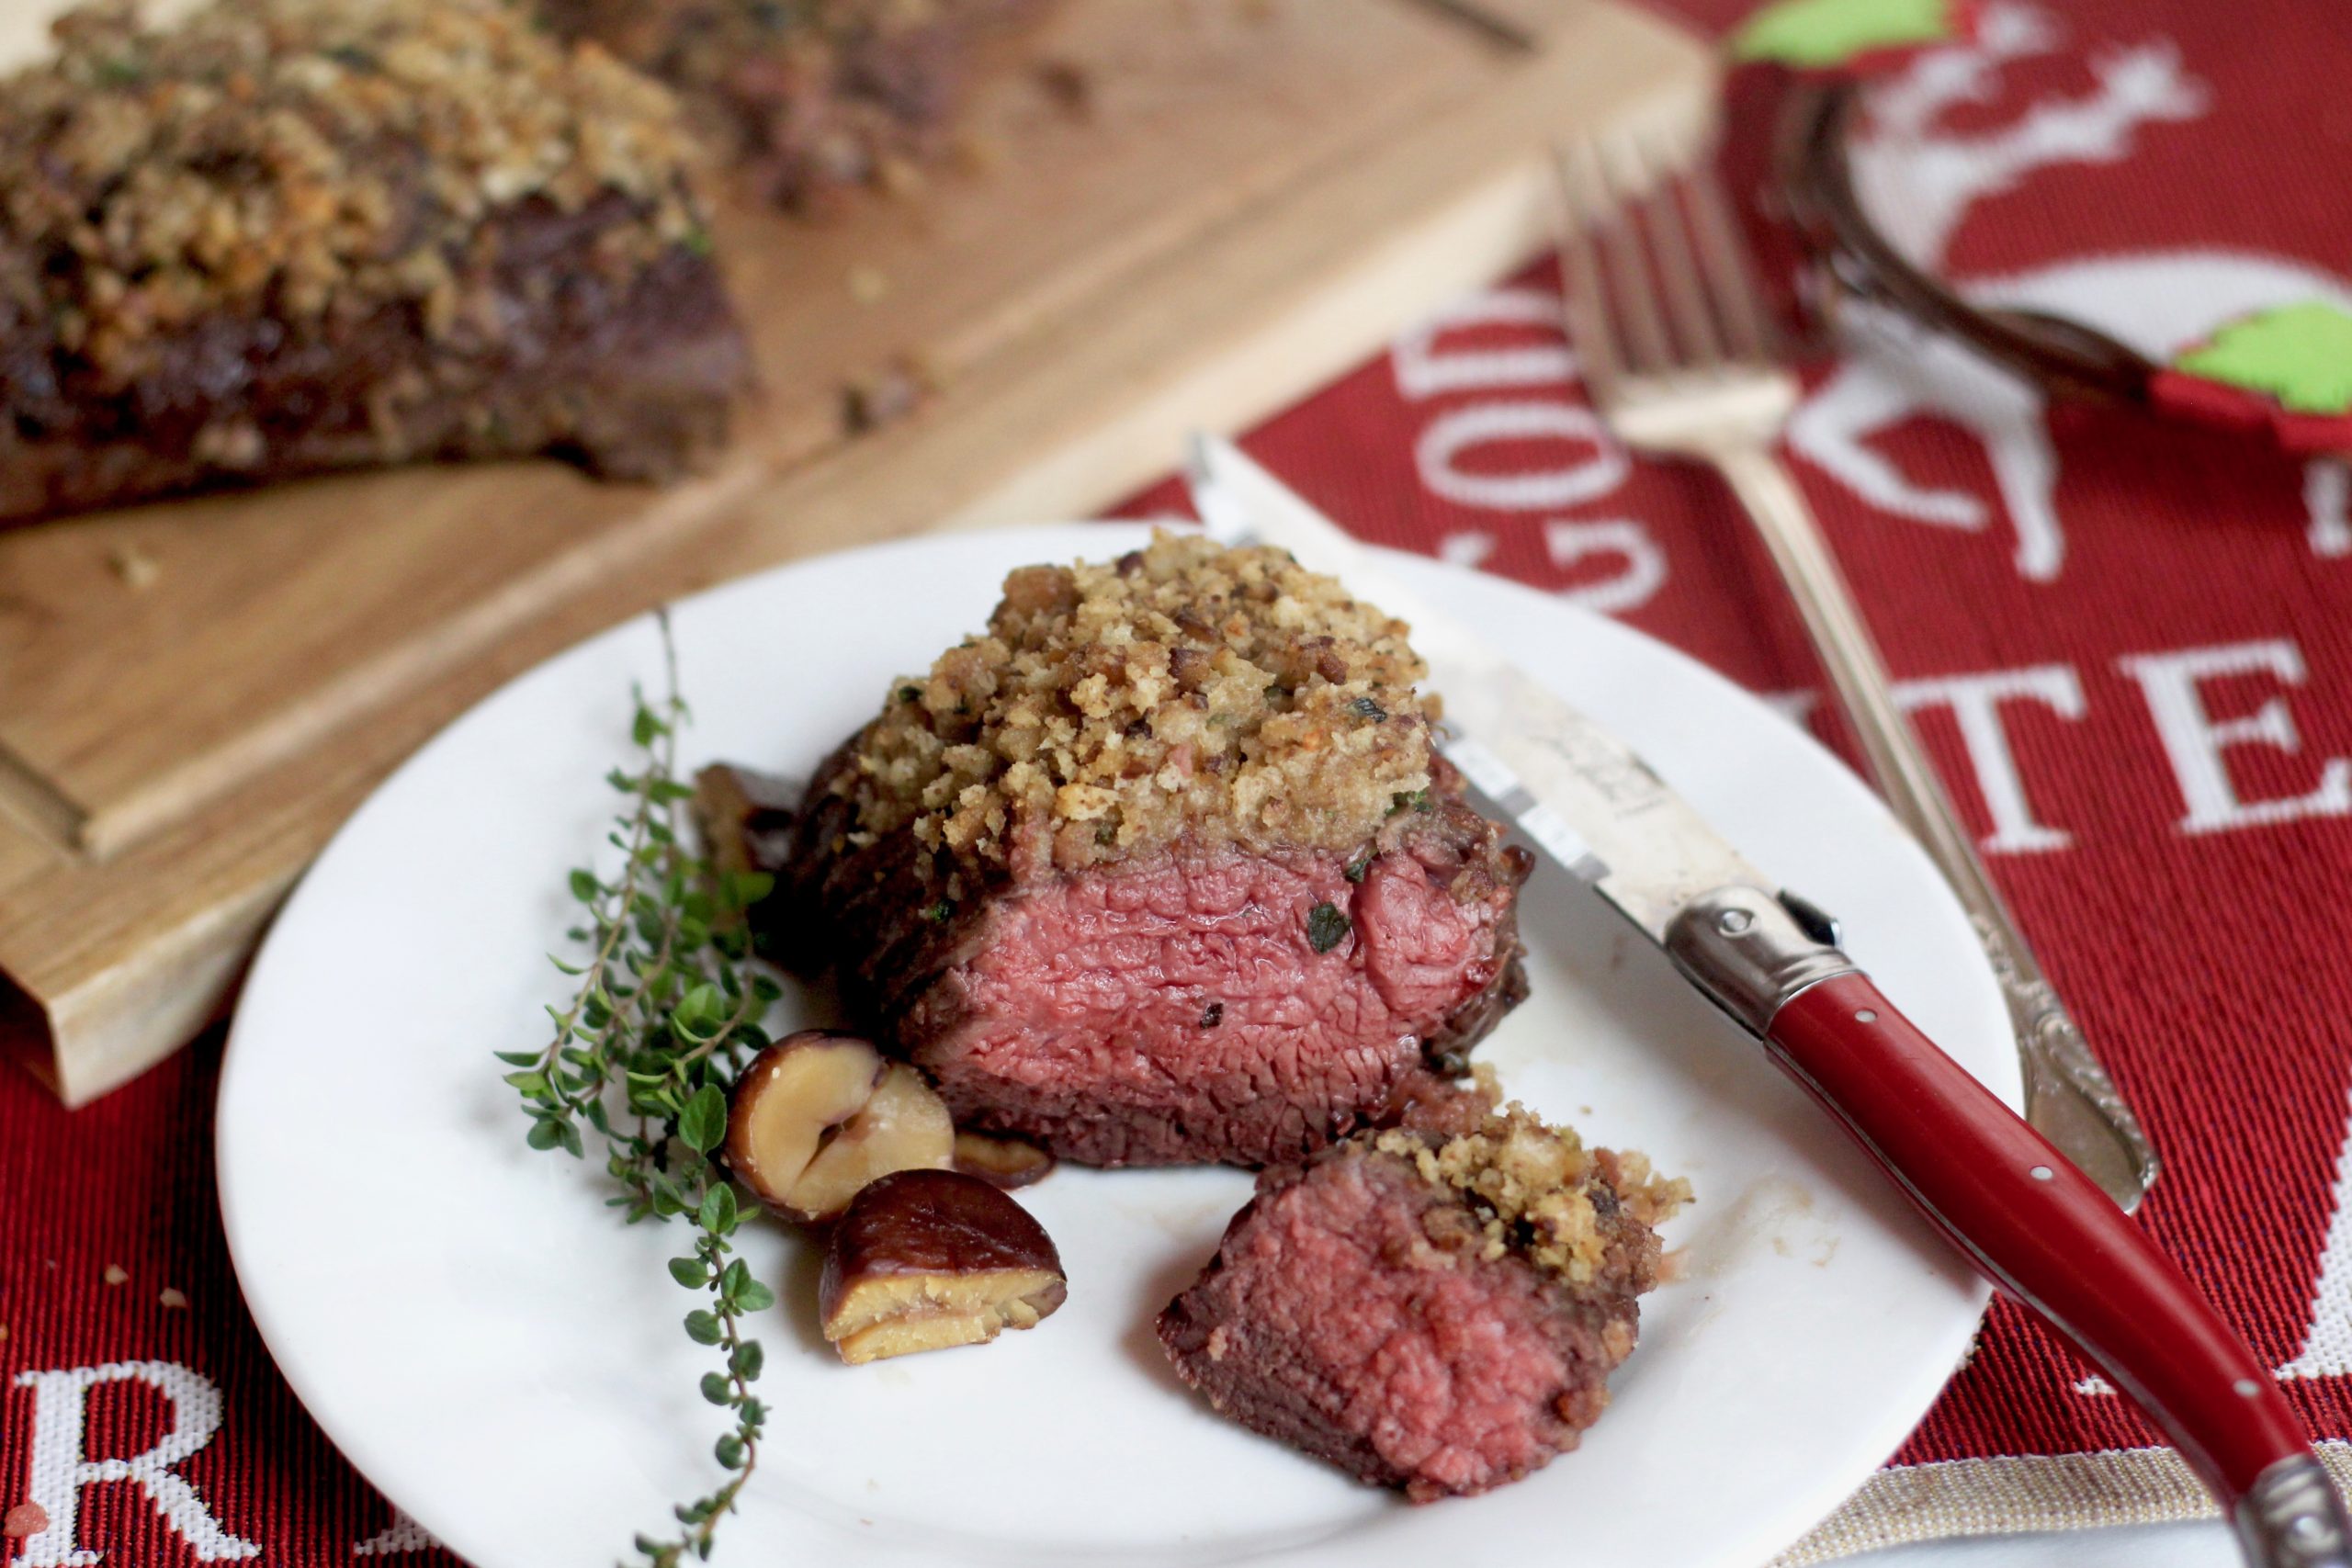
(1366, 708)
(667, 1008)
(1326, 926)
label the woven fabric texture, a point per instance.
(2129, 647)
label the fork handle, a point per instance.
(2069, 1097)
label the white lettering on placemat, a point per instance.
(60, 1469)
(2197, 743)
(1976, 703)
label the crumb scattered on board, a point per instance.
(116, 1274)
(24, 1519)
(172, 1296)
(137, 569)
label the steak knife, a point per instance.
(2027, 1219)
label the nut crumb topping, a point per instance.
(308, 158)
(1183, 691)
(1539, 1192)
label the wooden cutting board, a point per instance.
(1207, 209)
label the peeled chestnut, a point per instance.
(927, 1259)
(1000, 1161)
(904, 1125)
(818, 1115)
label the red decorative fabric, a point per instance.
(2131, 642)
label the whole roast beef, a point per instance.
(1162, 869)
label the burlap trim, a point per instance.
(2008, 1496)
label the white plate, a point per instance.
(473, 1328)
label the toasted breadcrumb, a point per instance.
(1185, 691)
(1537, 1188)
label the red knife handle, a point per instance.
(2028, 1220)
(2042, 1230)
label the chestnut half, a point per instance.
(927, 1259)
(818, 1115)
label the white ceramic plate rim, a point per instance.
(316, 1365)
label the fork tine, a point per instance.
(1668, 229)
(1600, 357)
(1627, 268)
(1723, 252)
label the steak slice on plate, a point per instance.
(1163, 867)
(1435, 1314)
(1197, 1003)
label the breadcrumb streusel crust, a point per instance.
(1185, 691)
(307, 159)
(1538, 1191)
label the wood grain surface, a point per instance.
(1250, 196)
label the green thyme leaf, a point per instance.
(703, 1328)
(704, 1122)
(717, 1215)
(1326, 928)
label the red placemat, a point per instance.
(2130, 650)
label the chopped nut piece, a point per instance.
(905, 1126)
(1002, 1162)
(791, 1095)
(927, 1259)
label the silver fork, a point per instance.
(1677, 351)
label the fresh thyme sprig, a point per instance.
(666, 1009)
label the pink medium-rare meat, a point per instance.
(1163, 869)
(1178, 1010)
(1367, 1309)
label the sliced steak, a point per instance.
(1199, 1003)
(284, 236)
(1162, 869)
(811, 98)
(1438, 1314)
